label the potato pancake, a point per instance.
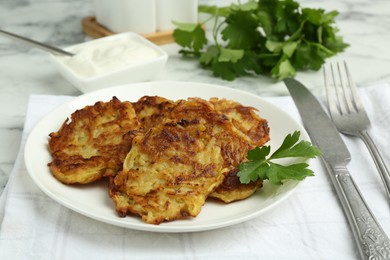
(93, 143)
(173, 167)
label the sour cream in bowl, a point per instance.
(112, 60)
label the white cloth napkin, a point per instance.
(308, 225)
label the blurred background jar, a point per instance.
(118, 16)
(185, 11)
(144, 16)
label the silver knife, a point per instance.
(371, 240)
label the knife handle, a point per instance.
(372, 241)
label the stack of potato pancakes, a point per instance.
(163, 158)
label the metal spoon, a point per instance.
(42, 46)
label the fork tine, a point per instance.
(346, 88)
(339, 89)
(358, 105)
(333, 108)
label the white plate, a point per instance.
(92, 200)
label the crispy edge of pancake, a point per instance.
(245, 119)
(231, 189)
(152, 110)
(82, 152)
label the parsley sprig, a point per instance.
(259, 166)
(268, 37)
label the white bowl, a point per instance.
(139, 67)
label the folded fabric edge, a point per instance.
(28, 124)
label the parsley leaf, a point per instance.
(230, 55)
(276, 38)
(189, 35)
(241, 30)
(260, 164)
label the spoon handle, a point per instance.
(36, 44)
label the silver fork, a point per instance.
(349, 115)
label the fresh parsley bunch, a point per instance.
(259, 166)
(268, 37)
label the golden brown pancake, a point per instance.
(93, 143)
(173, 166)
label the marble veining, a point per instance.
(364, 24)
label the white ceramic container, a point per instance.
(143, 70)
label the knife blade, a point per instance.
(370, 238)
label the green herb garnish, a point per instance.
(268, 37)
(259, 166)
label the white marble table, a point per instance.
(364, 24)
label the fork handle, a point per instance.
(371, 240)
(380, 164)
